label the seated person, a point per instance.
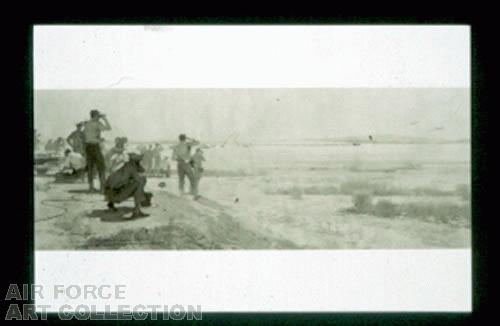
(72, 167)
(128, 182)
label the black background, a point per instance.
(17, 134)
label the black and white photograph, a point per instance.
(119, 165)
(267, 168)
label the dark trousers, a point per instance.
(134, 188)
(184, 169)
(95, 159)
(62, 177)
(196, 180)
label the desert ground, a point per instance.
(373, 196)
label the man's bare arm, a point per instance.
(106, 125)
(192, 142)
(69, 140)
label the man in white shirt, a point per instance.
(182, 154)
(95, 159)
(73, 162)
(72, 167)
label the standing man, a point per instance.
(182, 154)
(92, 133)
(157, 157)
(77, 139)
(197, 164)
(148, 158)
(38, 140)
(60, 145)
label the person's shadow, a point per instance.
(107, 215)
(79, 191)
(211, 203)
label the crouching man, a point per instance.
(126, 182)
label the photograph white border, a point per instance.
(264, 57)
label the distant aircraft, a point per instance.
(438, 128)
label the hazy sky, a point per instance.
(260, 114)
(257, 82)
(69, 57)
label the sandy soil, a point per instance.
(238, 213)
(68, 218)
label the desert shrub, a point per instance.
(350, 187)
(227, 173)
(375, 189)
(385, 208)
(463, 191)
(443, 212)
(383, 190)
(295, 193)
(379, 189)
(428, 191)
(311, 190)
(318, 190)
(362, 202)
(450, 213)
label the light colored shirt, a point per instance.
(118, 160)
(114, 150)
(198, 158)
(182, 151)
(92, 131)
(74, 161)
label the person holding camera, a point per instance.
(182, 154)
(95, 159)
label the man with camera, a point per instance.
(182, 154)
(95, 159)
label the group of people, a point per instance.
(126, 170)
(152, 160)
(55, 145)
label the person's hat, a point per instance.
(95, 113)
(135, 156)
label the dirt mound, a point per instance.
(175, 222)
